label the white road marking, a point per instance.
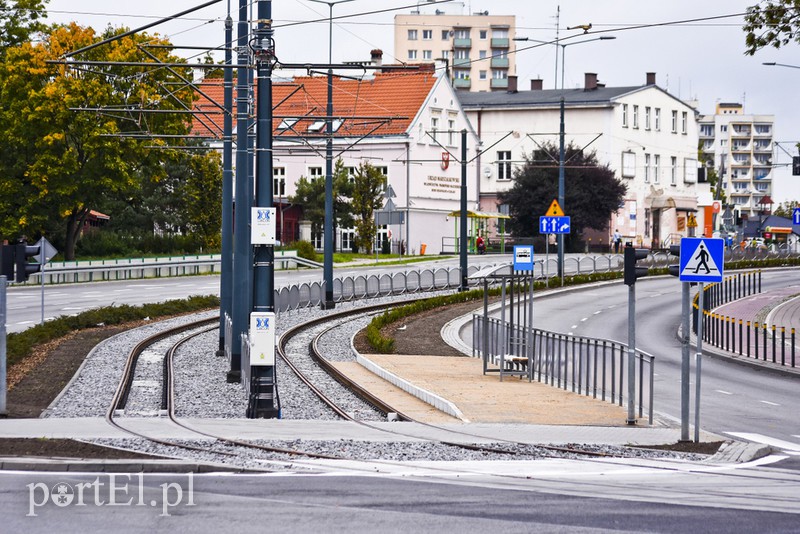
(612, 307)
(598, 311)
(71, 309)
(584, 319)
(766, 440)
(26, 322)
(574, 326)
(770, 403)
(723, 392)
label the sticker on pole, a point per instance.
(523, 258)
(702, 259)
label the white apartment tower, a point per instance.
(740, 147)
(477, 49)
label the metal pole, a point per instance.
(241, 258)
(463, 221)
(3, 315)
(264, 402)
(41, 275)
(226, 261)
(698, 366)
(561, 190)
(631, 354)
(685, 362)
(327, 267)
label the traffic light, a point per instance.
(632, 255)
(796, 166)
(25, 269)
(7, 262)
(675, 250)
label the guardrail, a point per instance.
(588, 366)
(137, 268)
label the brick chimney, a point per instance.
(512, 84)
(590, 81)
(376, 56)
(651, 78)
(537, 85)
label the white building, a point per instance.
(645, 134)
(740, 148)
(407, 123)
(479, 48)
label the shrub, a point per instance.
(306, 250)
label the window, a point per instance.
(461, 74)
(500, 33)
(427, 54)
(427, 35)
(445, 35)
(348, 237)
(445, 54)
(278, 181)
(763, 129)
(674, 121)
(351, 174)
(624, 115)
(482, 54)
(287, 124)
(315, 173)
(635, 116)
(503, 164)
(658, 119)
(684, 121)
(628, 164)
(316, 126)
(647, 168)
(673, 170)
(707, 130)
(656, 168)
(412, 35)
(647, 117)
(451, 132)
(461, 53)
(412, 54)
(462, 34)
(723, 128)
(482, 74)
(499, 74)
(482, 34)
(434, 127)
(500, 53)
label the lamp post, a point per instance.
(561, 149)
(326, 303)
(773, 64)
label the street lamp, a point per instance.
(327, 263)
(561, 154)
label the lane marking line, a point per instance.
(770, 403)
(723, 392)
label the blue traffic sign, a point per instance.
(554, 225)
(523, 257)
(702, 259)
(796, 216)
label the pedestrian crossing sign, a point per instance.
(702, 259)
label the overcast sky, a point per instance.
(701, 60)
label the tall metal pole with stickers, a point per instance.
(263, 389)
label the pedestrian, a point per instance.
(617, 240)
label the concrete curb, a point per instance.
(737, 452)
(32, 463)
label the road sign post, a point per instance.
(702, 260)
(3, 306)
(555, 222)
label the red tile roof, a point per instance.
(391, 101)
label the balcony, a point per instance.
(763, 131)
(462, 62)
(499, 62)
(763, 147)
(740, 162)
(462, 83)
(762, 162)
(500, 42)
(499, 83)
(462, 43)
(744, 147)
(741, 132)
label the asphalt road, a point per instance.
(736, 399)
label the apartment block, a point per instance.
(740, 148)
(476, 49)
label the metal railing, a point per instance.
(587, 366)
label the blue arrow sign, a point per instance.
(796, 216)
(554, 225)
(702, 259)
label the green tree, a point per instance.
(368, 188)
(310, 195)
(786, 209)
(57, 164)
(592, 192)
(774, 23)
(19, 20)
